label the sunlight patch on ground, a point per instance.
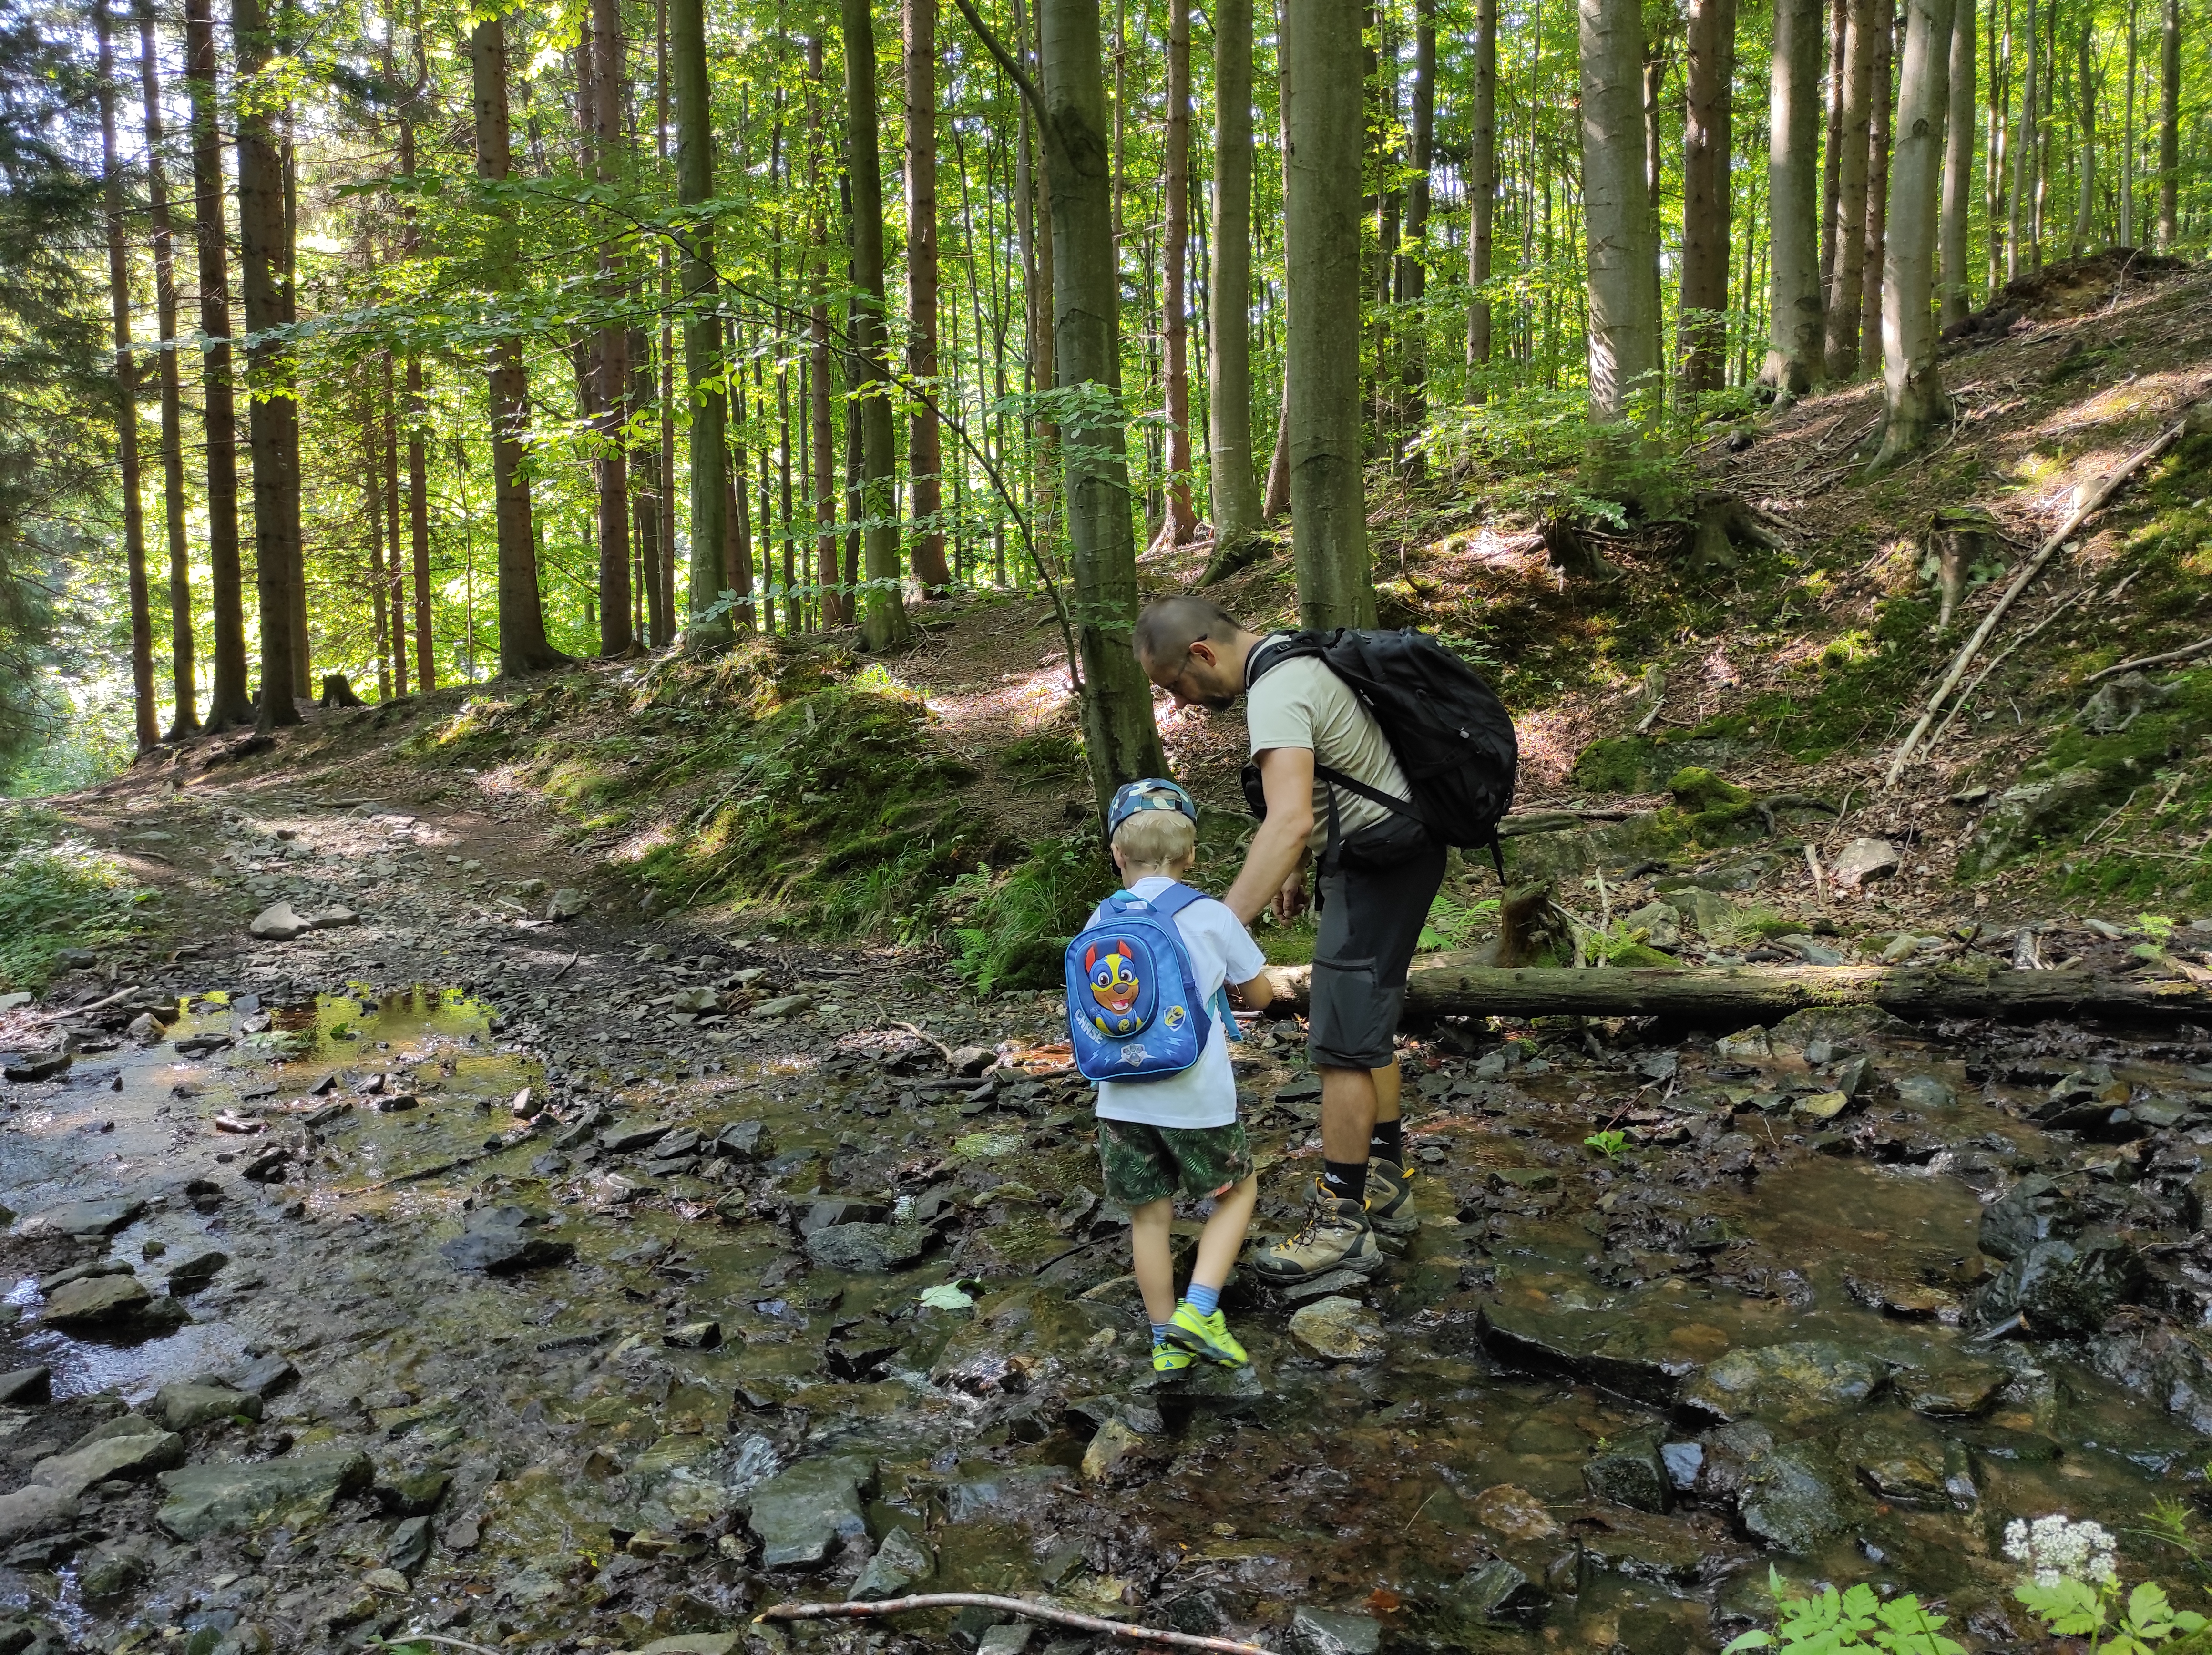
(1021, 704)
(642, 844)
(1549, 742)
(2163, 394)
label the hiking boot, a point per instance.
(1206, 1335)
(1390, 1199)
(1335, 1236)
(1166, 1359)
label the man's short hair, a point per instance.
(1166, 629)
(1156, 839)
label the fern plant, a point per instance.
(1829, 1622)
(2148, 1625)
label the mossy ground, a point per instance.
(58, 892)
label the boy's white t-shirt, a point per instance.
(1205, 1095)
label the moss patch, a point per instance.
(58, 892)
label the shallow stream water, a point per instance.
(1758, 1326)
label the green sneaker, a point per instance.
(1390, 1199)
(1335, 1236)
(1206, 1335)
(1166, 1359)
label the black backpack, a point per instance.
(1450, 733)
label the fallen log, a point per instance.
(1448, 985)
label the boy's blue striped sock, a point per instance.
(1202, 1298)
(1159, 1333)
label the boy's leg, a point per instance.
(1155, 1262)
(1218, 1160)
(1223, 1235)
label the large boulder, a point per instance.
(869, 1249)
(1785, 1384)
(504, 1241)
(2037, 1209)
(804, 1514)
(126, 1448)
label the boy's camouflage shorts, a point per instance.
(1145, 1163)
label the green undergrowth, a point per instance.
(58, 892)
(1009, 931)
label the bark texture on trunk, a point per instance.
(418, 467)
(1794, 318)
(1847, 283)
(924, 451)
(396, 575)
(1413, 261)
(272, 423)
(836, 609)
(2085, 104)
(184, 720)
(1877, 206)
(1481, 176)
(2023, 251)
(1175, 320)
(1236, 485)
(522, 645)
(1707, 147)
(2169, 126)
(1326, 128)
(1119, 734)
(882, 606)
(1913, 398)
(1623, 325)
(228, 701)
(702, 327)
(610, 467)
(1958, 171)
(145, 719)
(1445, 984)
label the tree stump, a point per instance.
(1960, 536)
(338, 692)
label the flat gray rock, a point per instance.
(868, 1249)
(33, 1509)
(128, 1447)
(280, 922)
(221, 1498)
(25, 1386)
(899, 1563)
(97, 1301)
(503, 1241)
(91, 1217)
(180, 1406)
(1338, 1330)
(1328, 1632)
(804, 1515)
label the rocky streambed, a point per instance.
(646, 1281)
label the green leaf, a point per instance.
(1750, 1640)
(2071, 1608)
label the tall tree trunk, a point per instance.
(184, 719)
(1229, 373)
(1657, 58)
(271, 416)
(1326, 131)
(1174, 319)
(2085, 94)
(2127, 134)
(647, 481)
(1707, 145)
(289, 309)
(2023, 250)
(1119, 734)
(1624, 344)
(1413, 263)
(1913, 399)
(883, 609)
(1831, 152)
(522, 645)
(925, 449)
(228, 701)
(1794, 309)
(703, 328)
(610, 466)
(418, 466)
(1877, 206)
(398, 570)
(2169, 127)
(1481, 178)
(835, 608)
(1958, 170)
(1277, 500)
(372, 499)
(1850, 229)
(145, 720)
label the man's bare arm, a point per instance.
(1278, 849)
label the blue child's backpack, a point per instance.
(1133, 1011)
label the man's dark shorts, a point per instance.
(1374, 891)
(1144, 1164)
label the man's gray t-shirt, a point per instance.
(1301, 703)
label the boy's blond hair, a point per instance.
(1156, 839)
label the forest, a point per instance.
(423, 348)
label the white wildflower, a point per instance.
(2056, 1547)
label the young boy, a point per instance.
(1181, 1131)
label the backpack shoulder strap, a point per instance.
(1282, 647)
(1174, 899)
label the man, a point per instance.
(1377, 871)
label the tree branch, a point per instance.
(1008, 61)
(1022, 1606)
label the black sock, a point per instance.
(1384, 1143)
(1344, 1180)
